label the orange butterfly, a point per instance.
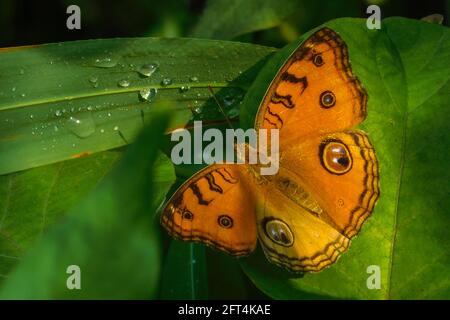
(327, 183)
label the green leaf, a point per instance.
(60, 101)
(112, 235)
(225, 19)
(226, 278)
(185, 274)
(405, 68)
(194, 271)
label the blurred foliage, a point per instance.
(112, 234)
(113, 226)
(24, 22)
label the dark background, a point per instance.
(34, 22)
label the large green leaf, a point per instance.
(60, 101)
(112, 235)
(405, 68)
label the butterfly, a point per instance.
(327, 184)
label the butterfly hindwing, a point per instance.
(325, 189)
(294, 238)
(213, 207)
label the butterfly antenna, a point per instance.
(220, 107)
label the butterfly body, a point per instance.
(327, 183)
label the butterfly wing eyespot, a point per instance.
(335, 157)
(327, 99)
(225, 221)
(318, 60)
(278, 231)
(187, 215)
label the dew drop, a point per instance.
(148, 94)
(93, 80)
(116, 128)
(81, 125)
(123, 83)
(197, 110)
(184, 89)
(148, 69)
(193, 79)
(166, 82)
(105, 62)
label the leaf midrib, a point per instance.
(402, 159)
(115, 91)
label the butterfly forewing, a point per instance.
(315, 92)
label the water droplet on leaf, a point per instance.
(166, 82)
(106, 62)
(123, 83)
(148, 69)
(81, 125)
(184, 88)
(148, 94)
